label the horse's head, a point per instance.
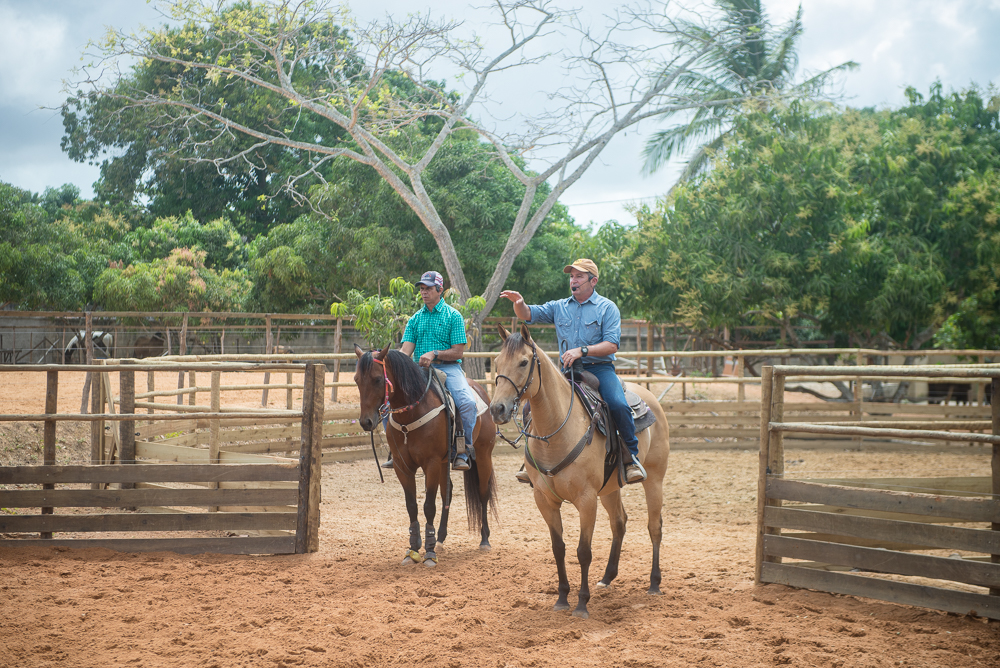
(370, 378)
(516, 375)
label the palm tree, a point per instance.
(757, 59)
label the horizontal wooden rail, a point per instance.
(959, 508)
(913, 533)
(883, 561)
(131, 498)
(804, 427)
(963, 372)
(948, 600)
(149, 522)
(134, 417)
(234, 545)
(34, 475)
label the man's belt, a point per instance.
(443, 362)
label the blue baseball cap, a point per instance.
(431, 279)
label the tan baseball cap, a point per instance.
(583, 264)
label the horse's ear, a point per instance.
(503, 332)
(358, 350)
(380, 355)
(525, 334)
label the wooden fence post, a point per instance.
(649, 346)
(182, 348)
(268, 343)
(213, 428)
(337, 343)
(89, 347)
(766, 381)
(49, 432)
(741, 393)
(310, 458)
(859, 397)
(995, 464)
(97, 427)
(126, 428)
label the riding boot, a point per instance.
(522, 475)
(387, 464)
(462, 458)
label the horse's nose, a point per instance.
(367, 424)
(499, 413)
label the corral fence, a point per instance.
(220, 502)
(928, 542)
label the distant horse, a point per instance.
(153, 345)
(391, 383)
(575, 467)
(77, 346)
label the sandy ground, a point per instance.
(353, 604)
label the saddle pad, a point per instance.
(481, 406)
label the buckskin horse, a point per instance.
(559, 428)
(390, 383)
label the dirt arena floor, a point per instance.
(352, 604)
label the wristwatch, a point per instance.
(436, 354)
(584, 350)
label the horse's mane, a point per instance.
(513, 343)
(409, 377)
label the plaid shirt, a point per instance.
(439, 329)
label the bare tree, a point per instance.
(376, 82)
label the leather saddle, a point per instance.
(587, 388)
(439, 384)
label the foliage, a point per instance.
(875, 225)
(382, 319)
(752, 58)
(179, 282)
(283, 88)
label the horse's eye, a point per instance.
(524, 362)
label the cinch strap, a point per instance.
(407, 428)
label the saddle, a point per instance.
(452, 412)
(587, 389)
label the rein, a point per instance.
(384, 409)
(520, 393)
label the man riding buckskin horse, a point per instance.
(435, 337)
(589, 327)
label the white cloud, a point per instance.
(33, 55)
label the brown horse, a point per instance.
(558, 426)
(392, 383)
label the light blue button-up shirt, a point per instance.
(596, 319)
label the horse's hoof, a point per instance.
(430, 562)
(603, 585)
(654, 591)
(559, 607)
(582, 614)
(485, 547)
(412, 557)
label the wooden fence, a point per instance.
(867, 537)
(270, 507)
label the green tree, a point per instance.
(874, 225)
(179, 282)
(378, 86)
(752, 58)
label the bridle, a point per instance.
(522, 429)
(384, 409)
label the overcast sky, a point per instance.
(898, 43)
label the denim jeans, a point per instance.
(465, 399)
(614, 397)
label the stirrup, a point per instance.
(634, 472)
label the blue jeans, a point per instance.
(465, 399)
(614, 397)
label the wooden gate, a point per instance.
(235, 499)
(855, 538)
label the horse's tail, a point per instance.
(474, 504)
